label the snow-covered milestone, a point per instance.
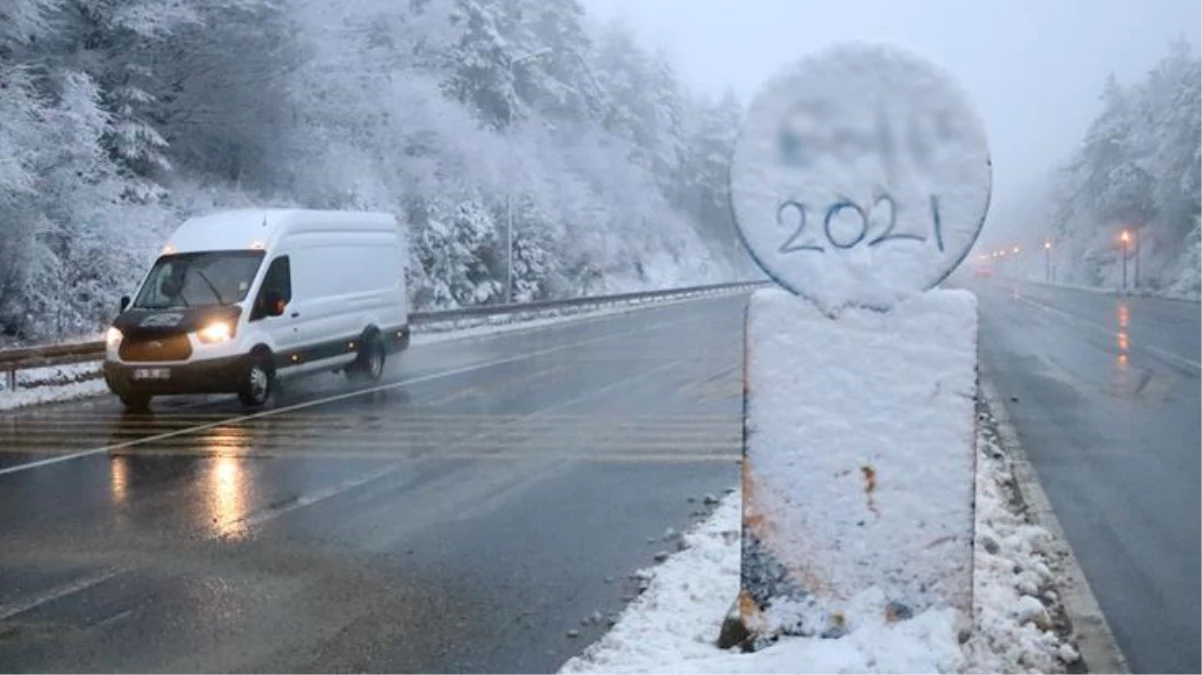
(859, 459)
(860, 181)
(862, 175)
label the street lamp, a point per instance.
(1125, 239)
(1047, 261)
(509, 185)
(1139, 244)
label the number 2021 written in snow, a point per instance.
(797, 213)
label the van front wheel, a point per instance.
(256, 384)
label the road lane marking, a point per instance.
(255, 519)
(435, 451)
(339, 397)
(258, 518)
(602, 314)
(10, 610)
(243, 525)
(47, 441)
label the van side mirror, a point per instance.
(124, 303)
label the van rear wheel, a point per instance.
(135, 403)
(256, 383)
(369, 367)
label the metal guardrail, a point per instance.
(24, 358)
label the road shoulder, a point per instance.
(1096, 643)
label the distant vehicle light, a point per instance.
(168, 249)
(258, 245)
(113, 336)
(218, 331)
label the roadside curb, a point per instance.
(1099, 650)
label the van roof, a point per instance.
(262, 228)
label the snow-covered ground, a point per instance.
(36, 386)
(673, 626)
(52, 384)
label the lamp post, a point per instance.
(1124, 240)
(1139, 242)
(509, 185)
(1047, 261)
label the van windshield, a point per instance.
(199, 279)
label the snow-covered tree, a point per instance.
(1138, 169)
(119, 117)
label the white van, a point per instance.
(240, 298)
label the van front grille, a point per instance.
(156, 348)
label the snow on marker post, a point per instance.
(861, 179)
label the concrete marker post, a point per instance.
(861, 179)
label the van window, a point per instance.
(199, 279)
(278, 279)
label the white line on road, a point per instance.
(261, 517)
(330, 399)
(83, 583)
(252, 520)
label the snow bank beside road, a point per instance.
(673, 626)
(53, 384)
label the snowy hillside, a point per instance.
(1137, 169)
(119, 119)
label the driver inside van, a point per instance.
(173, 284)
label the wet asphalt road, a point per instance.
(1104, 394)
(462, 519)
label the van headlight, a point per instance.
(113, 337)
(218, 331)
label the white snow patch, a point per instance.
(673, 626)
(1007, 637)
(53, 384)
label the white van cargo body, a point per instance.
(241, 298)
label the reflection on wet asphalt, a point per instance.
(496, 491)
(1104, 392)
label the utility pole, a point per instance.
(511, 104)
(601, 98)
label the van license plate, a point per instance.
(152, 373)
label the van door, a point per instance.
(284, 329)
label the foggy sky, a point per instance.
(1033, 68)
